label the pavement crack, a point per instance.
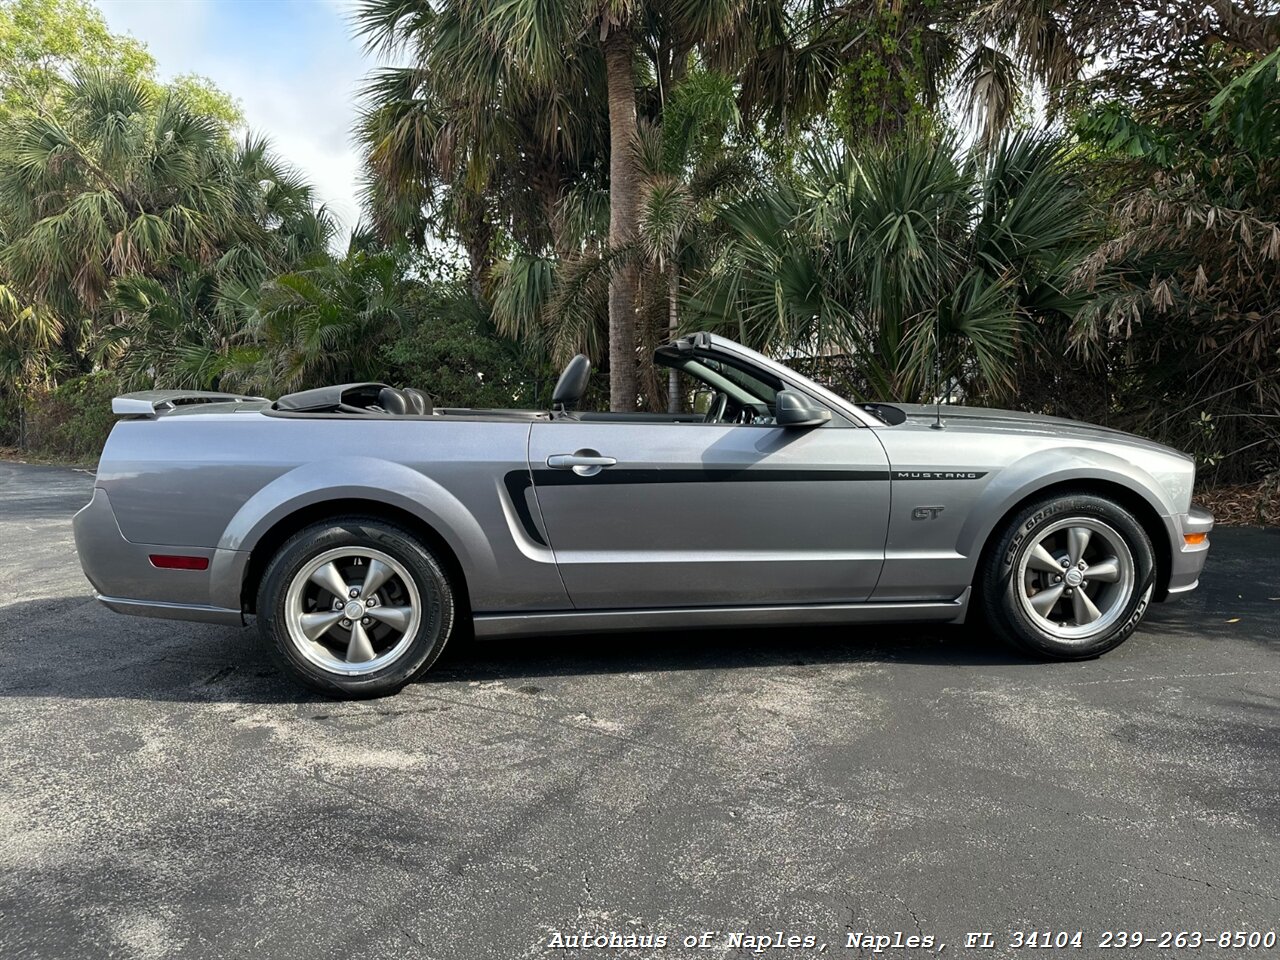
(914, 917)
(218, 675)
(409, 935)
(356, 794)
(1220, 886)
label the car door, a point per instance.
(645, 515)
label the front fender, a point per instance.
(1046, 468)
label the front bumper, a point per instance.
(126, 581)
(1187, 559)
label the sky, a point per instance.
(292, 65)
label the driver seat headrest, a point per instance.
(572, 383)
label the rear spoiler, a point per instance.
(151, 403)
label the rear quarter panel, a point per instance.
(224, 480)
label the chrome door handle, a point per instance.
(564, 461)
(583, 463)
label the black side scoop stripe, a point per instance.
(518, 481)
(612, 476)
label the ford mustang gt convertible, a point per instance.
(363, 526)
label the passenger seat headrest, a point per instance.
(419, 403)
(393, 401)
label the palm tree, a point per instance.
(496, 126)
(690, 165)
(123, 185)
(125, 182)
(329, 321)
(667, 32)
(463, 142)
(558, 301)
(182, 333)
(526, 73)
(29, 338)
(904, 256)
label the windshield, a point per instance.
(765, 392)
(756, 388)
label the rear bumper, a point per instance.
(126, 581)
(1187, 560)
(173, 611)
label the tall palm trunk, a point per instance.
(624, 199)
(477, 237)
(673, 326)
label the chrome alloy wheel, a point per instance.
(352, 610)
(1076, 579)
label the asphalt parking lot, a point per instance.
(164, 793)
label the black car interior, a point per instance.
(726, 392)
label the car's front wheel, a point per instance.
(1068, 577)
(355, 607)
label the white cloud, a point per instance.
(293, 66)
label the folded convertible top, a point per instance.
(345, 397)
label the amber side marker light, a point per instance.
(1193, 539)
(169, 561)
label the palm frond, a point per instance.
(992, 85)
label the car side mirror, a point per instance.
(796, 410)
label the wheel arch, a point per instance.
(366, 485)
(1143, 511)
(273, 538)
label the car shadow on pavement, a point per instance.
(720, 649)
(75, 649)
(70, 647)
(971, 645)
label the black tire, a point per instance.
(407, 655)
(1013, 574)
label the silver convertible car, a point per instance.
(364, 527)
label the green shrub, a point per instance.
(452, 352)
(71, 421)
(10, 418)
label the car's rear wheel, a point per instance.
(1068, 577)
(355, 607)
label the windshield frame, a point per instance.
(714, 346)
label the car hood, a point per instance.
(1014, 421)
